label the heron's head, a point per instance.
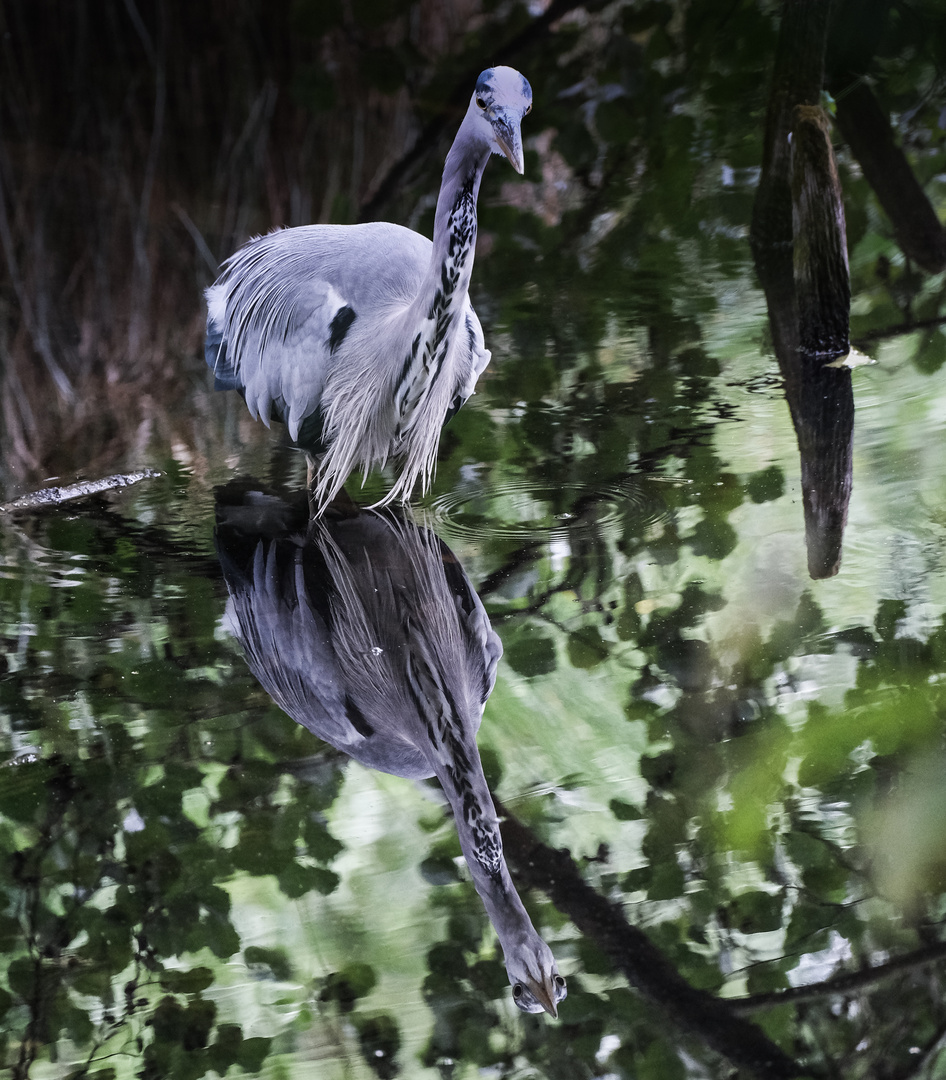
(501, 99)
(534, 978)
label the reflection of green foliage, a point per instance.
(116, 849)
(766, 485)
(380, 1040)
(531, 653)
(347, 986)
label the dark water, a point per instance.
(747, 761)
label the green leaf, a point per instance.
(713, 537)
(439, 869)
(767, 485)
(225, 1050)
(530, 654)
(756, 912)
(624, 811)
(348, 985)
(252, 1053)
(296, 880)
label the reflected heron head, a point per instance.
(501, 99)
(536, 983)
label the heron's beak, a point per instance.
(506, 130)
(543, 989)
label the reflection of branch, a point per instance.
(898, 329)
(641, 962)
(523, 556)
(842, 984)
(868, 133)
(921, 1061)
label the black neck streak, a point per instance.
(461, 240)
(442, 720)
(429, 349)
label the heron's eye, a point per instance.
(559, 982)
(517, 991)
(528, 109)
(481, 102)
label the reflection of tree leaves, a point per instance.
(586, 647)
(273, 961)
(380, 1039)
(756, 912)
(624, 811)
(345, 987)
(530, 653)
(713, 537)
(766, 485)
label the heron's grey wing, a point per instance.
(392, 545)
(274, 324)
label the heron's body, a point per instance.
(362, 338)
(367, 632)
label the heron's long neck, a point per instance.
(451, 261)
(432, 317)
(481, 842)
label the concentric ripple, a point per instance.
(524, 511)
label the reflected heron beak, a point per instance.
(543, 990)
(506, 130)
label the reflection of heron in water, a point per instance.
(365, 629)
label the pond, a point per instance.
(716, 734)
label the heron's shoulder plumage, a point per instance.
(287, 302)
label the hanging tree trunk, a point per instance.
(799, 242)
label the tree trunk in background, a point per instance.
(868, 134)
(857, 31)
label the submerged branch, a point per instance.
(56, 496)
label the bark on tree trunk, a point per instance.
(822, 279)
(799, 242)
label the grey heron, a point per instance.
(365, 629)
(362, 339)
